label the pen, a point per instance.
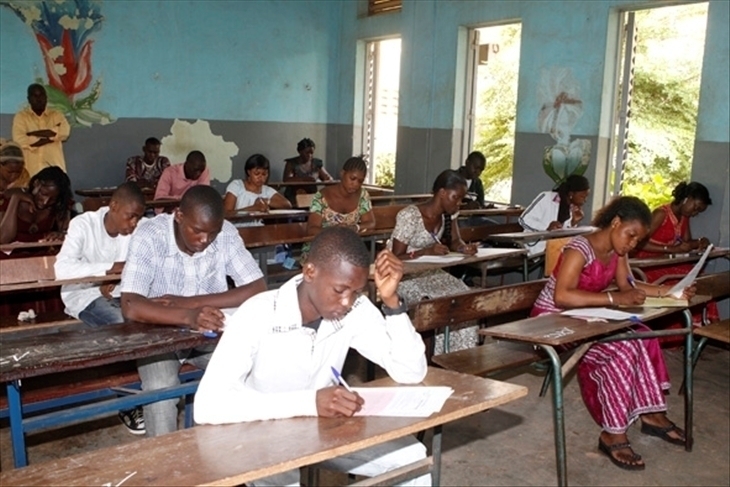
(340, 380)
(435, 239)
(206, 333)
(630, 275)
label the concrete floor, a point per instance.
(513, 445)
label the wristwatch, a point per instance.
(401, 308)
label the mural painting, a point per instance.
(63, 30)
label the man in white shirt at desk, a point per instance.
(96, 244)
(275, 357)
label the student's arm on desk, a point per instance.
(136, 307)
(223, 397)
(70, 261)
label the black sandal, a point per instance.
(663, 432)
(610, 449)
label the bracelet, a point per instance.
(412, 254)
(665, 248)
(610, 298)
(357, 227)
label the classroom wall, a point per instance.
(259, 72)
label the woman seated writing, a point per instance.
(625, 380)
(429, 228)
(344, 204)
(252, 193)
(40, 212)
(302, 168)
(553, 210)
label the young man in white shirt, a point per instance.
(175, 274)
(96, 244)
(275, 357)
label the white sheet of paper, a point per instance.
(403, 401)
(437, 259)
(285, 211)
(687, 280)
(600, 313)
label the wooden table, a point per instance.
(106, 192)
(527, 237)
(638, 264)
(5, 288)
(241, 216)
(47, 244)
(34, 354)
(555, 330)
(284, 184)
(487, 255)
(241, 453)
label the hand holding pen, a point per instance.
(438, 248)
(338, 401)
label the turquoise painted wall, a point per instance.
(713, 122)
(222, 60)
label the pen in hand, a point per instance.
(630, 275)
(340, 380)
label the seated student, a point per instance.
(145, 170)
(304, 167)
(175, 274)
(40, 212)
(345, 204)
(275, 358)
(471, 170)
(13, 173)
(177, 179)
(252, 193)
(625, 380)
(96, 244)
(429, 228)
(553, 210)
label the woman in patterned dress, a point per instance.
(429, 228)
(620, 381)
(345, 204)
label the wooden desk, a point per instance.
(507, 212)
(46, 283)
(526, 237)
(240, 453)
(553, 330)
(487, 255)
(284, 184)
(248, 216)
(106, 192)
(47, 244)
(638, 264)
(29, 355)
(393, 199)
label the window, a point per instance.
(376, 7)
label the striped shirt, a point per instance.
(156, 266)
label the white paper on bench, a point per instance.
(437, 259)
(403, 401)
(599, 313)
(687, 280)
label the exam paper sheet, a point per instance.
(402, 401)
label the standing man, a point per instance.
(275, 359)
(145, 170)
(177, 179)
(175, 274)
(471, 170)
(40, 131)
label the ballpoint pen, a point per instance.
(340, 379)
(630, 275)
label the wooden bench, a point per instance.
(718, 286)
(26, 274)
(481, 305)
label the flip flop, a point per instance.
(609, 449)
(663, 432)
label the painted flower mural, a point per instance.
(63, 29)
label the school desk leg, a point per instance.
(15, 412)
(436, 454)
(558, 415)
(688, 346)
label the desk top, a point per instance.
(9, 247)
(4, 288)
(247, 216)
(284, 184)
(673, 259)
(556, 329)
(102, 192)
(40, 354)
(498, 211)
(523, 237)
(240, 453)
(485, 255)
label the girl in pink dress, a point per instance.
(619, 381)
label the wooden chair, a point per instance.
(304, 200)
(718, 286)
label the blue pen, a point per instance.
(630, 275)
(340, 380)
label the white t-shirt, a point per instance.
(245, 198)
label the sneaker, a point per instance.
(133, 419)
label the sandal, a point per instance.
(663, 432)
(631, 464)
